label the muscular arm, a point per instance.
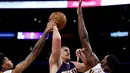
(84, 39)
(36, 50)
(79, 66)
(56, 48)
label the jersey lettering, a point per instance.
(70, 71)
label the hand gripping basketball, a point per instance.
(59, 18)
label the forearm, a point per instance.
(30, 58)
(56, 47)
(56, 42)
(39, 45)
(36, 50)
(56, 34)
(79, 66)
(83, 34)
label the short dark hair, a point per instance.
(112, 61)
(1, 60)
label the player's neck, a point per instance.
(67, 62)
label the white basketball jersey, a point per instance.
(8, 71)
(96, 69)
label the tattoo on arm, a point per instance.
(36, 50)
(83, 34)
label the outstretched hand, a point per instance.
(79, 9)
(50, 25)
(80, 54)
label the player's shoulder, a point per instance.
(98, 68)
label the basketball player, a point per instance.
(86, 54)
(59, 61)
(6, 66)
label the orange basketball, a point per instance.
(59, 18)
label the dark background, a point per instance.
(100, 21)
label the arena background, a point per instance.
(101, 22)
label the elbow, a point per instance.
(85, 38)
(58, 39)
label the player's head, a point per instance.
(109, 63)
(5, 63)
(65, 53)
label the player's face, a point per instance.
(104, 64)
(7, 64)
(104, 61)
(65, 53)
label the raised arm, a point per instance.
(83, 34)
(36, 50)
(56, 48)
(84, 39)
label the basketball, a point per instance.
(59, 18)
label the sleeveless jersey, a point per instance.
(67, 68)
(8, 71)
(96, 69)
